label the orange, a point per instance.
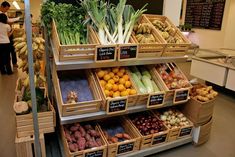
(101, 74)
(124, 93)
(108, 86)
(102, 83)
(111, 93)
(121, 87)
(122, 70)
(133, 92)
(122, 81)
(128, 90)
(115, 87)
(111, 74)
(116, 78)
(106, 77)
(106, 92)
(120, 74)
(116, 94)
(128, 84)
(111, 81)
(126, 77)
(115, 70)
(105, 71)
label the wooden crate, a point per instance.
(180, 132)
(131, 100)
(145, 98)
(74, 52)
(46, 122)
(25, 146)
(124, 147)
(102, 150)
(152, 139)
(171, 95)
(79, 107)
(171, 49)
(150, 50)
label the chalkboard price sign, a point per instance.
(127, 52)
(105, 53)
(116, 105)
(181, 95)
(206, 14)
(98, 153)
(185, 131)
(159, 139)
(125, 148)
(156, 99)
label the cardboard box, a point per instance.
(198, 112)
(201, 134)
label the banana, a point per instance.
(37, 40)
(26, 82)
(20, 45)
(42, 47)
(35, 46)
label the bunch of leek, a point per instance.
(114, 23)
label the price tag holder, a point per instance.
(159, 139)
(117, 105)
(181, 96)
(127, 147)
(185, 131)
(98, 153)
(127, 52)
(105, 53)
(156, 99)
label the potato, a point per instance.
(82, 131)
(77, 135)
(114, 139)
(74, 128)
(119, 135)
(88, 127)
(126, 136)
(73, 147)
(88, 137)
(81, 143)
(98, 141)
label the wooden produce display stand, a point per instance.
(103, 107)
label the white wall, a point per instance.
(172, 9)
(229, 41)
(224, 38)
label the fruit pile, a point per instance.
(143, 33)
(115, 82)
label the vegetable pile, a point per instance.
(69, 22)
(167, 32)
(143, 33)
(115, 82)
(147, 124)
(202, 93)
(38, 54)
(114, 23)
(172, 77)
(172, 118)
(115, 133)
(81, 137)
(143, 80)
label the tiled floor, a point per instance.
(221, 143)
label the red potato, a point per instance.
(73, 147)
(82, 131)
(74, 128)
(114, 139)
(77, 135)
(98, 141)
(87, 137)
(126, 136)
(81, 143)
(88, 127)
(93, 133)
(119, 135)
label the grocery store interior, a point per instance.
(152, 79)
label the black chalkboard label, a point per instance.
(125, 148)
(159, 139)
(185, 131)
(98, 153)
(156, 99)
(128, 52)
(117, 105)
(106, 53)
(181, 96)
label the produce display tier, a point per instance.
(102, 114)
(72, 65)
